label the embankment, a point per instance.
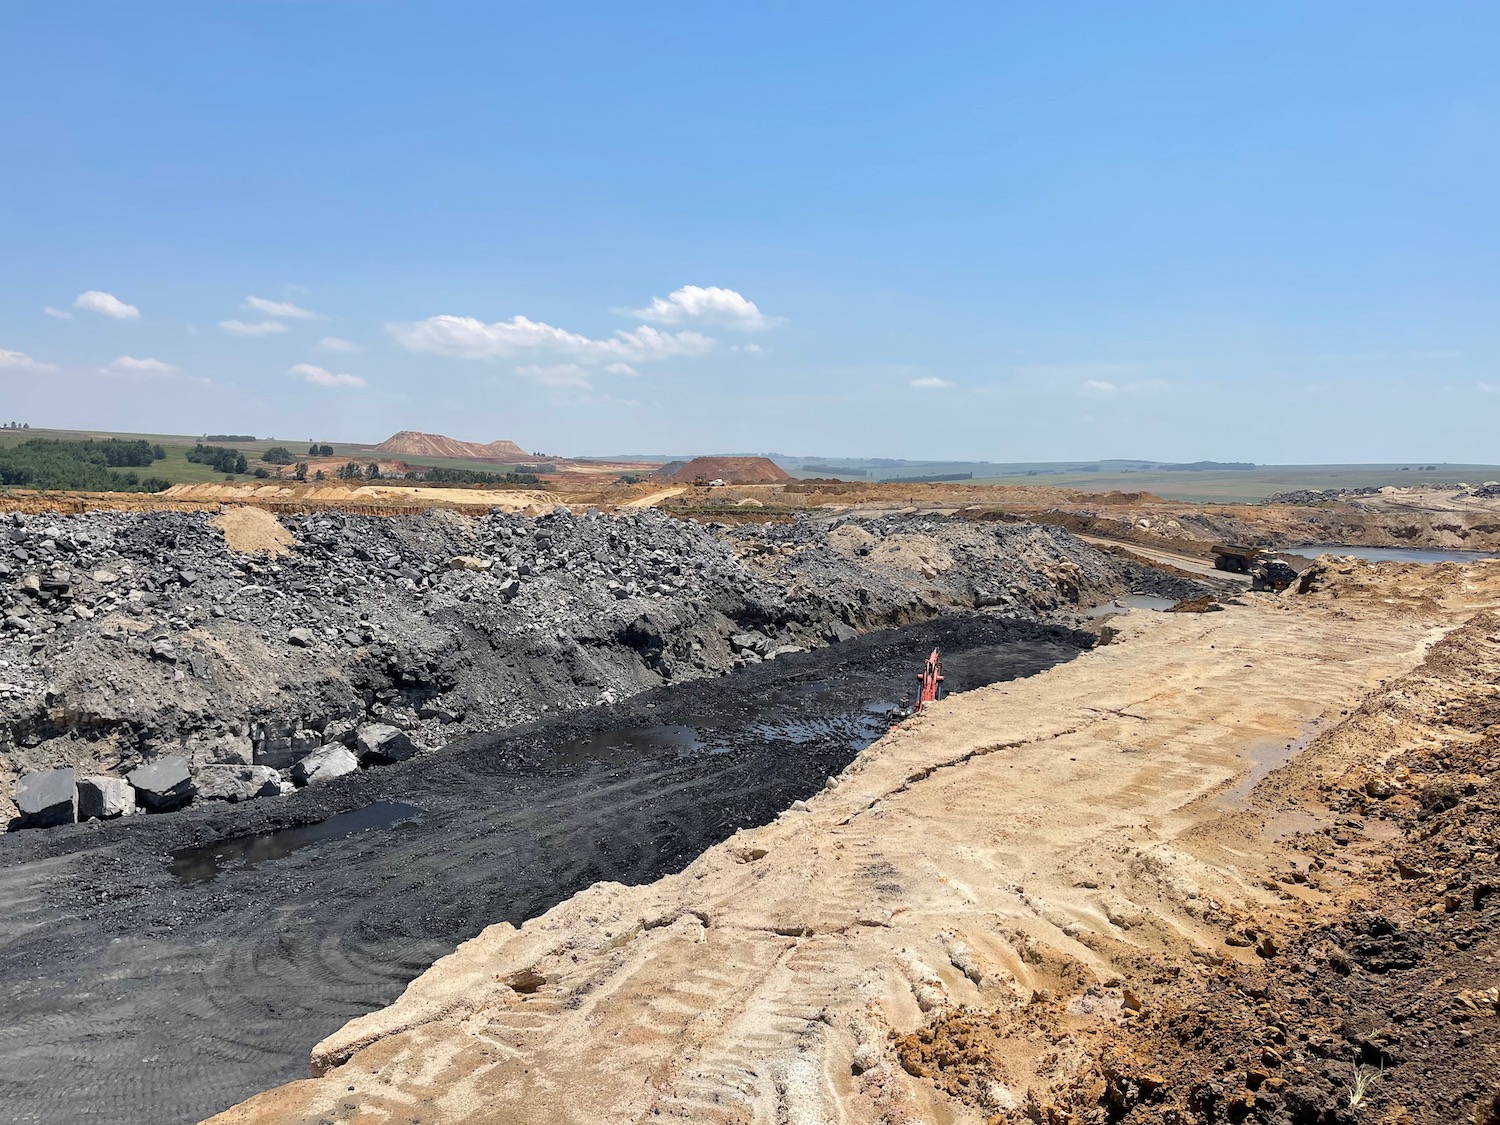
(960, 927)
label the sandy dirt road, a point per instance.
(1039, 853)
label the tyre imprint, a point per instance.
(128, 997)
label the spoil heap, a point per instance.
(129, 637)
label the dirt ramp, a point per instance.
(936, 936)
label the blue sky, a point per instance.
(1162, 230)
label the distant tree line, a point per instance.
(437, 475)
(316, 450)
(930, 478)
(278, 455)
(226, 461)
(87, 466)
(227, 437)
(16, 426)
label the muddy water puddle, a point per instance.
(193, 865)
(1266, 756)
(1132, 601)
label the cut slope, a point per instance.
(735, 470)
(416, 443)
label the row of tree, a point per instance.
(85, 466)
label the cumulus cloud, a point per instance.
(470, 338)
(753, 349)
(283, 309)
(621, 369)
(149, 368)
(931, 383)
(20, 361)
(322, 377)
(706, 303)
(1489, 388)
(255, 328)
(59, 314)
(106, 304)
(338, 344)
(557, 375)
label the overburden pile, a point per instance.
(134, 639)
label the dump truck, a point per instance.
(1266, 571)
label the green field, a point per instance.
(179, 470)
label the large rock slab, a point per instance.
(237, 783)
(164, 785)
(47, 798)
(324, 764)
(105, 797)
(382, 744)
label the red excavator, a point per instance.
(931, 680)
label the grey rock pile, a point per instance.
(133, 639)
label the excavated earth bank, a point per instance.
(241, 639)
(1086, 896)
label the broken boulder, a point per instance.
(47, 798)
(164, 785)
(324, 764)
(104, 797)
(237, 783)
(383, 744)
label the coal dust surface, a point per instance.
(160, 968)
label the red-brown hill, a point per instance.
(413, 443)
(735, 470)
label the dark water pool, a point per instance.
(192, 865)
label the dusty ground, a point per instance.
(1060, 899)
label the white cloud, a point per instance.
(106, 304)
(470, 338)
(20, 361)
(150, 368)
(753, 349)
(322, 377)
(258, 328)
(621, 369)
(1488, 388)
(931, 383)
(707, 303)
(60, 314)
(338, 344)
(280, 308)
(1101, 388)
(558, 375)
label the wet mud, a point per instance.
(159, 969)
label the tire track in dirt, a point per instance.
(132, 998)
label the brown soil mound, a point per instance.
(735, 470)
(252, 531)
(417, 444)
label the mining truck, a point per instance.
(1266, 571)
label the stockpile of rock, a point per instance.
(128, 638)
(1318, 495)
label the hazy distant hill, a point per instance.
(413, 443)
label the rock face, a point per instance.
(105, 798)
(381, 744)
(148, 631)
(164, 785)
(237, 783)
(47, 798)
(324, 764)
